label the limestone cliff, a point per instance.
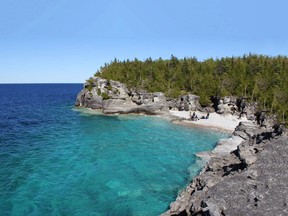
(113, 97)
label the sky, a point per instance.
(67, 41)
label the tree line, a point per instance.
(262, 79)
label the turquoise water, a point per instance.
(56, 160)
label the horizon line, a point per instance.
(39, 83)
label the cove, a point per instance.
(57, 161)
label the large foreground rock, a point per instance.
(251, 180)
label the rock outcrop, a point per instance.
(227, 105)
(189, 102)
(233, 105)
(249, 180)
(113, 97)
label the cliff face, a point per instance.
(113, 97)
(251, 180)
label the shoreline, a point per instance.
(218, 122)
(206, 127)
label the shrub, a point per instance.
(105, 96)
(89, 87)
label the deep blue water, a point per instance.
(55, 160)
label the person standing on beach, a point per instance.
(194, 117)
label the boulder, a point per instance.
(118, 106)
(247, 153)
(223, 109)
(188, 102)
(227, 105)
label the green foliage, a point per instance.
(261, 78)
(90, 84)
(204, 100)
(90, 81)
(98, 92)
(89, 87)
(105, 96)
(173, 93)
(109, 87)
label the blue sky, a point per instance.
(66, 41)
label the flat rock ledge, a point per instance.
(248, 178)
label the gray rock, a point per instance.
(189, 102)
(115, 106)
(226, 105)
(251, 180)
(210, 208)
(224, 109)
(225, 146)
(113, 97)
(193, 101)
(247, 154)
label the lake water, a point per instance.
(55, 160)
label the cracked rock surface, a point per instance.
(251, 180)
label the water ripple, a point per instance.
(55, 161)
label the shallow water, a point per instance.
(56, 160)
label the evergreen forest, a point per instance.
(262, 79)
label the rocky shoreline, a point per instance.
(113, 97)
(239, 177)
(248, 178)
